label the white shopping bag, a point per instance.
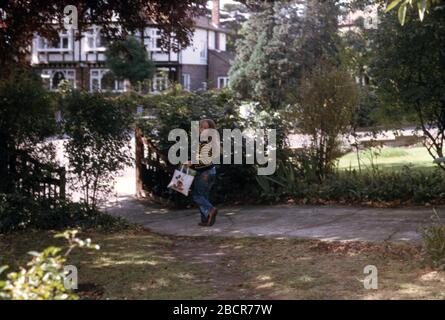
(182, 181)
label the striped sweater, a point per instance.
(204, 158)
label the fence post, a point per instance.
(139, 150)
(62, 186)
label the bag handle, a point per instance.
(182, 169)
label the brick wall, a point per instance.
(198, 75)
(219, 66)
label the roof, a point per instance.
(206, 23)
(226, 56)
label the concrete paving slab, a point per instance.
(341, 223)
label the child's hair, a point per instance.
(210, 122)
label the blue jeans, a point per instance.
(201, 189)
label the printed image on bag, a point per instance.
(181, 181)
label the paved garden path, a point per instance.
(310, 222)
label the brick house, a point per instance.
(203, 64)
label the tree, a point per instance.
(233, 15)
(355, 54)
(408, 72)
(328, 99)
(128, 59)
(21, 20)
(320, 35)
(279, 42)
(267, 60)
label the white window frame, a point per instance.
(94, 35)
(154, 35)
(222, 41)
(99, 76)
(225, 81)
(43, 44)
(160, 83)
(212, 40)
(203, 50)
(185, 81)
(69, 74)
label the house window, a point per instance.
(212, 40)
(94, 39)
(186, 81)
(53, 78)
(155, 40)
(57, 78)
(203, 50)
(103, 80)
(160, 81)
(223, 82)
(63, 43)
(158, 44)
(222, 41)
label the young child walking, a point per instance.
(204, 180)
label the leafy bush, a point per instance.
(282, 183)
(176, 109)
(19, 212)
(26, 118)
(408, 186)
(327, 102)
(369, 187)
(99, 141)
(44, 277)
(433, 238)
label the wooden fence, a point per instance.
(38, 180)
(153, 172)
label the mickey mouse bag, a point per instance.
(182, 181)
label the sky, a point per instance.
(222, 3)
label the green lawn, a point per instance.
(388, 159)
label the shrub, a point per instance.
(19, 212)
(44, 277)
(408, 186)
(281, 183)
(328, 99)
(99, 142)
(368, 187)
(176, 109)
(433, 238)
(26, 118)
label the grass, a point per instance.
(388, 158)
(138, 264)
(129, 265)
